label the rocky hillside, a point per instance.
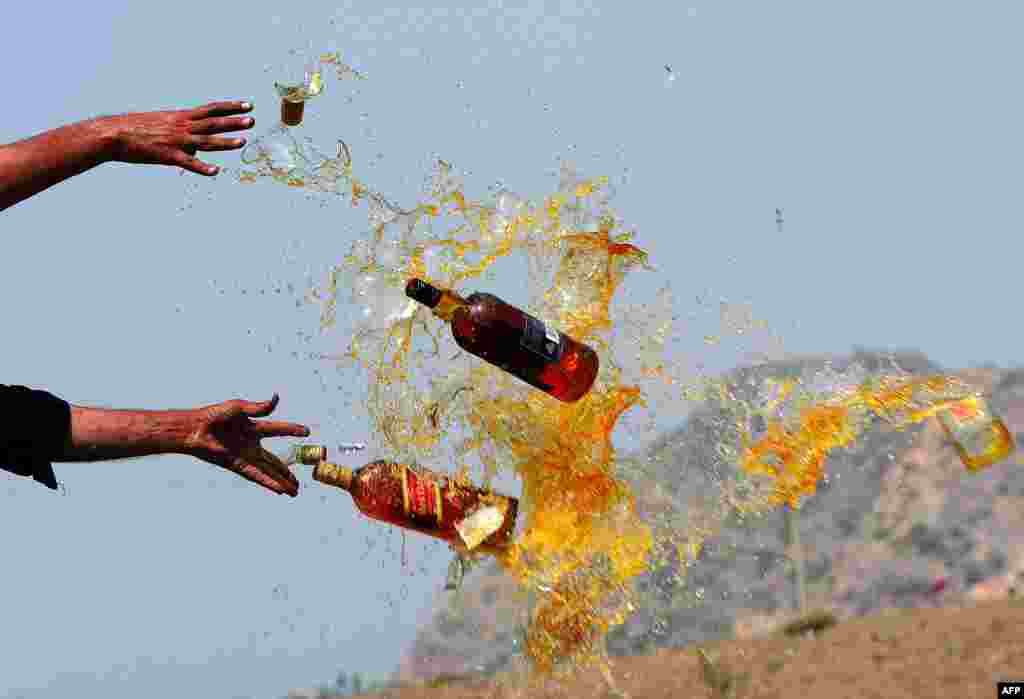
(897, 523)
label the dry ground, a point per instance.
(950, 652)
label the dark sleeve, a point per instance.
(34, 426)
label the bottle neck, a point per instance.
(446, 307)
(442, 302)
(331, 474)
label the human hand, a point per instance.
(223, 435)
(173, 137)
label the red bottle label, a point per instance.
(421, 496)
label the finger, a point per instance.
(221, 109)
(260, 409)
(188, 162)
(267, 468)
(221, 125)
(254, 474)
(284, 477)
(271, 465)
(212, 143)
(273, 428)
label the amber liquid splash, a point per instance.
(585, 536)
(419, 499)
(794, 454)
(979, 437)
(513, 341)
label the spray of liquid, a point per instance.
(583, 539)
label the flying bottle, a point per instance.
(513, 340)
(421, 500)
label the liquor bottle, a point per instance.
(980, 437)
(513, 340)
(427, 502)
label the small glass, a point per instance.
(297, 89)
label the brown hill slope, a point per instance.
(952, 652)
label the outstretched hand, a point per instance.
(224, 436)
(173, 137)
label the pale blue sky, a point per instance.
(889, 133)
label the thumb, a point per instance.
(261, 408)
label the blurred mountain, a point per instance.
(897, 522)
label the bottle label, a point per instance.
(421, 497)
(542, 340)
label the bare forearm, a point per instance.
(99, 434)
(30, 166)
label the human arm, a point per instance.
(44, 429)
(102, 434)
(34, 164)
(172, 137)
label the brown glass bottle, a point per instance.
(513, 340)
(419, 499)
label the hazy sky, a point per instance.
(888, 132)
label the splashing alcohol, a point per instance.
(981, 439)
(295, 94)
(793, 451)
(585, 538)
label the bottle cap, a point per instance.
(311, 454)
(419, 290)
(330, 474)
